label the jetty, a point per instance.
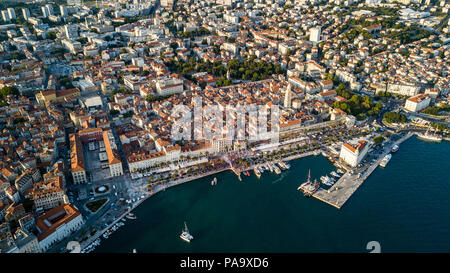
(238, 173)
(343, 189)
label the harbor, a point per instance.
(344, 188)
(336, 195)
(272, 208)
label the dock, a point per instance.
(343, 189)
(238, 173)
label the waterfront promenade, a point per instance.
(343, 189)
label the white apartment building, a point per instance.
(134, 82)
(314, 35)
(403, 89)
(5, 16)
(63, 11)
(45, 12)
(169, 86)
(417, 103)
(353, 154)
(26, 13)
(71, 31)
(11, 13)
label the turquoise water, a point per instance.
(405, 207)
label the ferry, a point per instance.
(385, 160)
(395, 148)
(185, 235)
(430, 136)
(257, 172)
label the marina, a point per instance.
(343, 189)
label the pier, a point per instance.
(343, 189)
(238, 173)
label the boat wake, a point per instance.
(282, 176)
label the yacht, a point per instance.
(395, 148)
(325, 178)
(282, 166)
(130, 216)
(257, 172)
(333, 173)
(328, 182)
(340, 171)
(214, 182)
(277, 170)
(385, 160)
(185, 235)
(430, 136)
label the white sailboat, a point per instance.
(185, 235)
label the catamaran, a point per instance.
(185, 235)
